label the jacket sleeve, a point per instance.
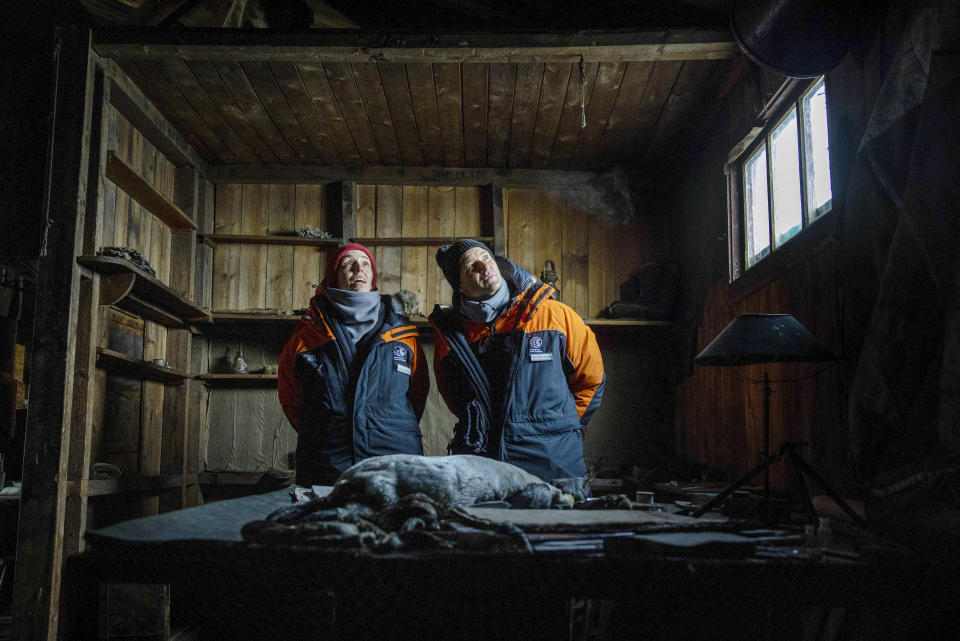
(587, 379)
(440, 351)
(288, 384)
(419, 380)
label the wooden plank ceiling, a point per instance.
(582, 102)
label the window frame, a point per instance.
(814, 230)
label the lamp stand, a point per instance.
(766, 435)
(798, 466)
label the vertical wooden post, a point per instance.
(176, 410)
(84, 377)
(499, 222)
(43, 501)
(348, 209)
(203, 296)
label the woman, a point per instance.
(352, 378)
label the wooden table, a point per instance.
(251, 591)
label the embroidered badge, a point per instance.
(399, 353)
(403, 369)
(536, 344)
(540, 357)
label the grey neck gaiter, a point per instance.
(485, 311)
(359, 310)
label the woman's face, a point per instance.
(355, 273)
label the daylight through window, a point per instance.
(785, 175)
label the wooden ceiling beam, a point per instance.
(459, 176)
(360, 46)
(153, 12)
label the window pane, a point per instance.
(816, 149)
(785, 164)
(756, 214)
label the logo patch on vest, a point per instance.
(536, 344)
(399, 353)
(536, 350)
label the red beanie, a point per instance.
(333, 261)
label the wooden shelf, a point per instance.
(241, 478)
(627, 322)
(150, 484)
(421, 323)
(126, 287)
(238, 380)
(144, 193)
(421, 241)
(135, 368)
(394, 241)
(212, 239)
(232, 318)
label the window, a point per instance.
(780, 175)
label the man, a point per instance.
(522, 372)
(352, 378)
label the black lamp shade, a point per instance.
(764, 338)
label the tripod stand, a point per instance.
(799, 467)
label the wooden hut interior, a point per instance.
(176, 174)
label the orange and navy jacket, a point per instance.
(344, 414)
(524, 386)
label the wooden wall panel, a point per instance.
(267, 276)
(134, 226)
(592, 254)
(226, 257)
(417, 261)
(441, 221)
(389, 224)
(308, 263)
(574, 260)
(254, 220)
(720, 414)
(280, 264)
(245, 429)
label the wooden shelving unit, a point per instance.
(627, 322)
(396, 241)
(147, 484)
(238, 318)
(237, 380)
(126, 287)
(144, 193)
(419, 241)
(235, 321)
(212, 240)
(111, 360)
(240, 478)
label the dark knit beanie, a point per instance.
(448, 257)
(333, 262)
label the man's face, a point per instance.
(355, 273)
(479, 275)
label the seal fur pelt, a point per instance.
(461, 479)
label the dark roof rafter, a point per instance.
(405, 47)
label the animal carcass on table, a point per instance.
(406, 494)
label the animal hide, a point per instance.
(449, 481)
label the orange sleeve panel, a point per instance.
(587, 378)
(288, 385)
(308, 335)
